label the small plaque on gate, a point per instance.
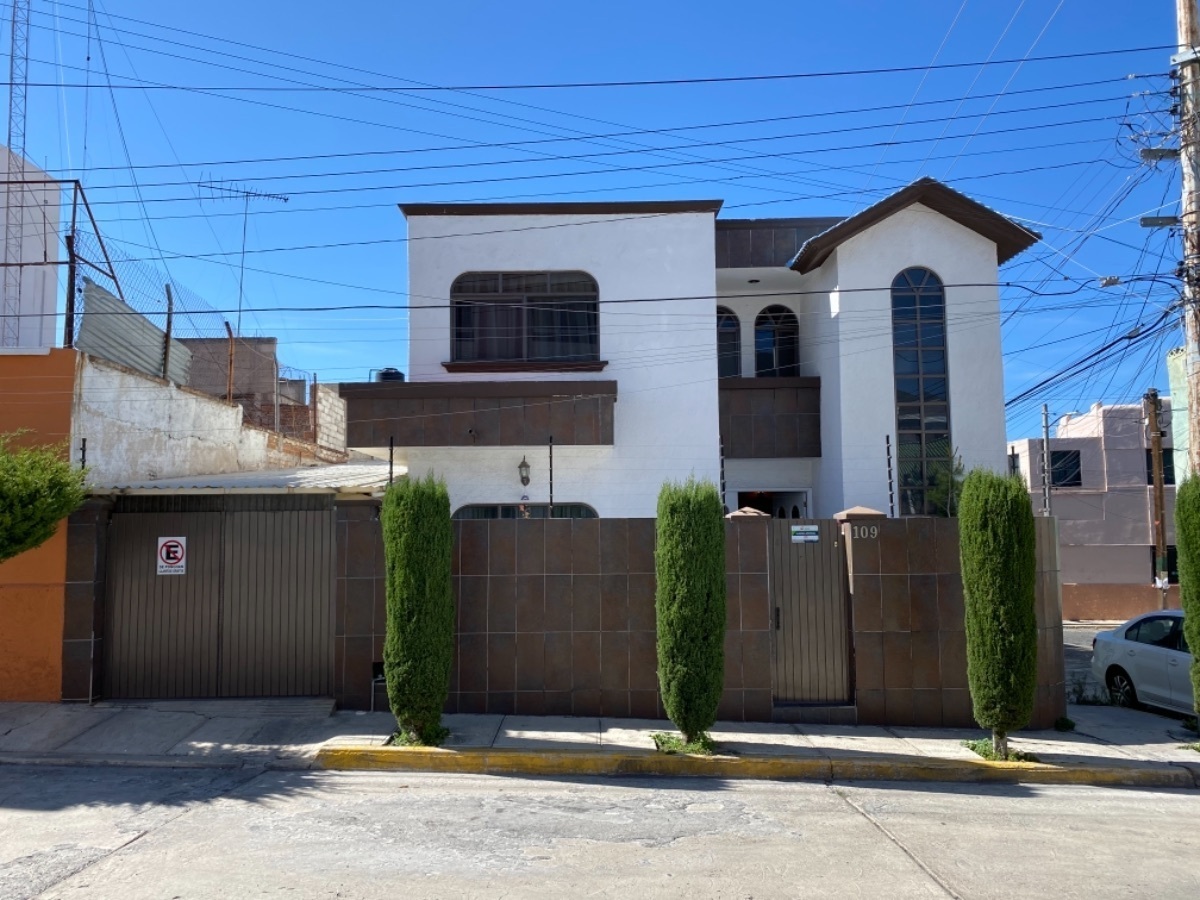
(805, 534)
(172, 556)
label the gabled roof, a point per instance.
(569, 208)
(1009, 237)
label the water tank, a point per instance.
(389, 375)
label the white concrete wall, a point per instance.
(662, 354)
(36, 324)
(140, 428)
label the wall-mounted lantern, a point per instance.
(523, 469)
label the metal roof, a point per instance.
(345, 478)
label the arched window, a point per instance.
(922, 394)
(729, 344)
(776, 343)
(525, 317)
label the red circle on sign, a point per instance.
(171, 553)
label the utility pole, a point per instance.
(1047, 476)
(1188, 39)
(16, 192)
(1153, 407)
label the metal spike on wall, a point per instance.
(14, 235)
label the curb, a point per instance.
(881, 768)
(144, 761)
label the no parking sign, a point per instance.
(172, 556)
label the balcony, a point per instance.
(767, 418)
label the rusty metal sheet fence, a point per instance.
(810, 604)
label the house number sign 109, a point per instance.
(864, 531)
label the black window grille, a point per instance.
(1065, 469)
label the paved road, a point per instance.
(192, 834)
(1077, 660)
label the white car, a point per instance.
(1146, 660)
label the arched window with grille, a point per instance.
(729, 344)
(776, 343)
(925, 454)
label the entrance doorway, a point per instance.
(777, 504)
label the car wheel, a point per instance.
(1120, 688)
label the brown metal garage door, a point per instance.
(252, 615)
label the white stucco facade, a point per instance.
(35, 324)
(656, 277)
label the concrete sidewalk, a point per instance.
(1110, 745)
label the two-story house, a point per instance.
(583, 353)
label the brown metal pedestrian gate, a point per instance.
(252, 615)
(810, 603)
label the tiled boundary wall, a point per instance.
(910, 646)
(1114, 602)
(555, 617)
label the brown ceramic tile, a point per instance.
(641, 603)
(78, 613)
(614, 546)
(733, 606)
(614, 661)
(558, 603)
(501, 704)
(921, 545)
(557, 703)
(472, 604)
(360, 603)
(456, 549)
(530, 703)
(81, 553)
(472, 663)
(870, 707)
(863, 556)
(926, 660)
(732, 565)
(472, 703)
(731, 708)
(867, 603)
(896, 603)
(474, 551)
(752, 545)
(531, 546)
(897, 660)
(558, 546)
(339, 666)
(951, 612)
(614, 703)
(357, 665)
(585, 546)
(946, 540)
(956, 709)
(756, 660)
(379, 619)
(451, 705)
(641, 546)
(531, 662)
(531, 603)
(927, 709)
(502, 547)
(755, 602)
(558, 655)
(643, 704)
(923, 602)
(757, 705)
(361, 538)
(733, 660)
(502, 603)
(614, 602)
(953, 660)
(501, 662)
(585, 702)
(585, 603)
(643, 661)
(868, 661)
(454, 688)
(893, 546)
(898, 705)
(76, 670)
(585, 653)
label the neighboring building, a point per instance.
(651, 341)
(30, 292)
(1102, 495)
(1177, 376)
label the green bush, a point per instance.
(419, 648)
(38, 489)
(689, 560)
(999, 571)
(1187, 538)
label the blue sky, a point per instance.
(1051, 143)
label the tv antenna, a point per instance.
(219, 190)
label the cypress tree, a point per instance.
(419, 647)
(999, 572)
(689, 560)
(1187, 539)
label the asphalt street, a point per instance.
(133, 833)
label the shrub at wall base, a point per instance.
(419, 647)
(38, 489)
(1187, 537)
(689, 561)
(999, 572)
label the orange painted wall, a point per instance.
(36, 393)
